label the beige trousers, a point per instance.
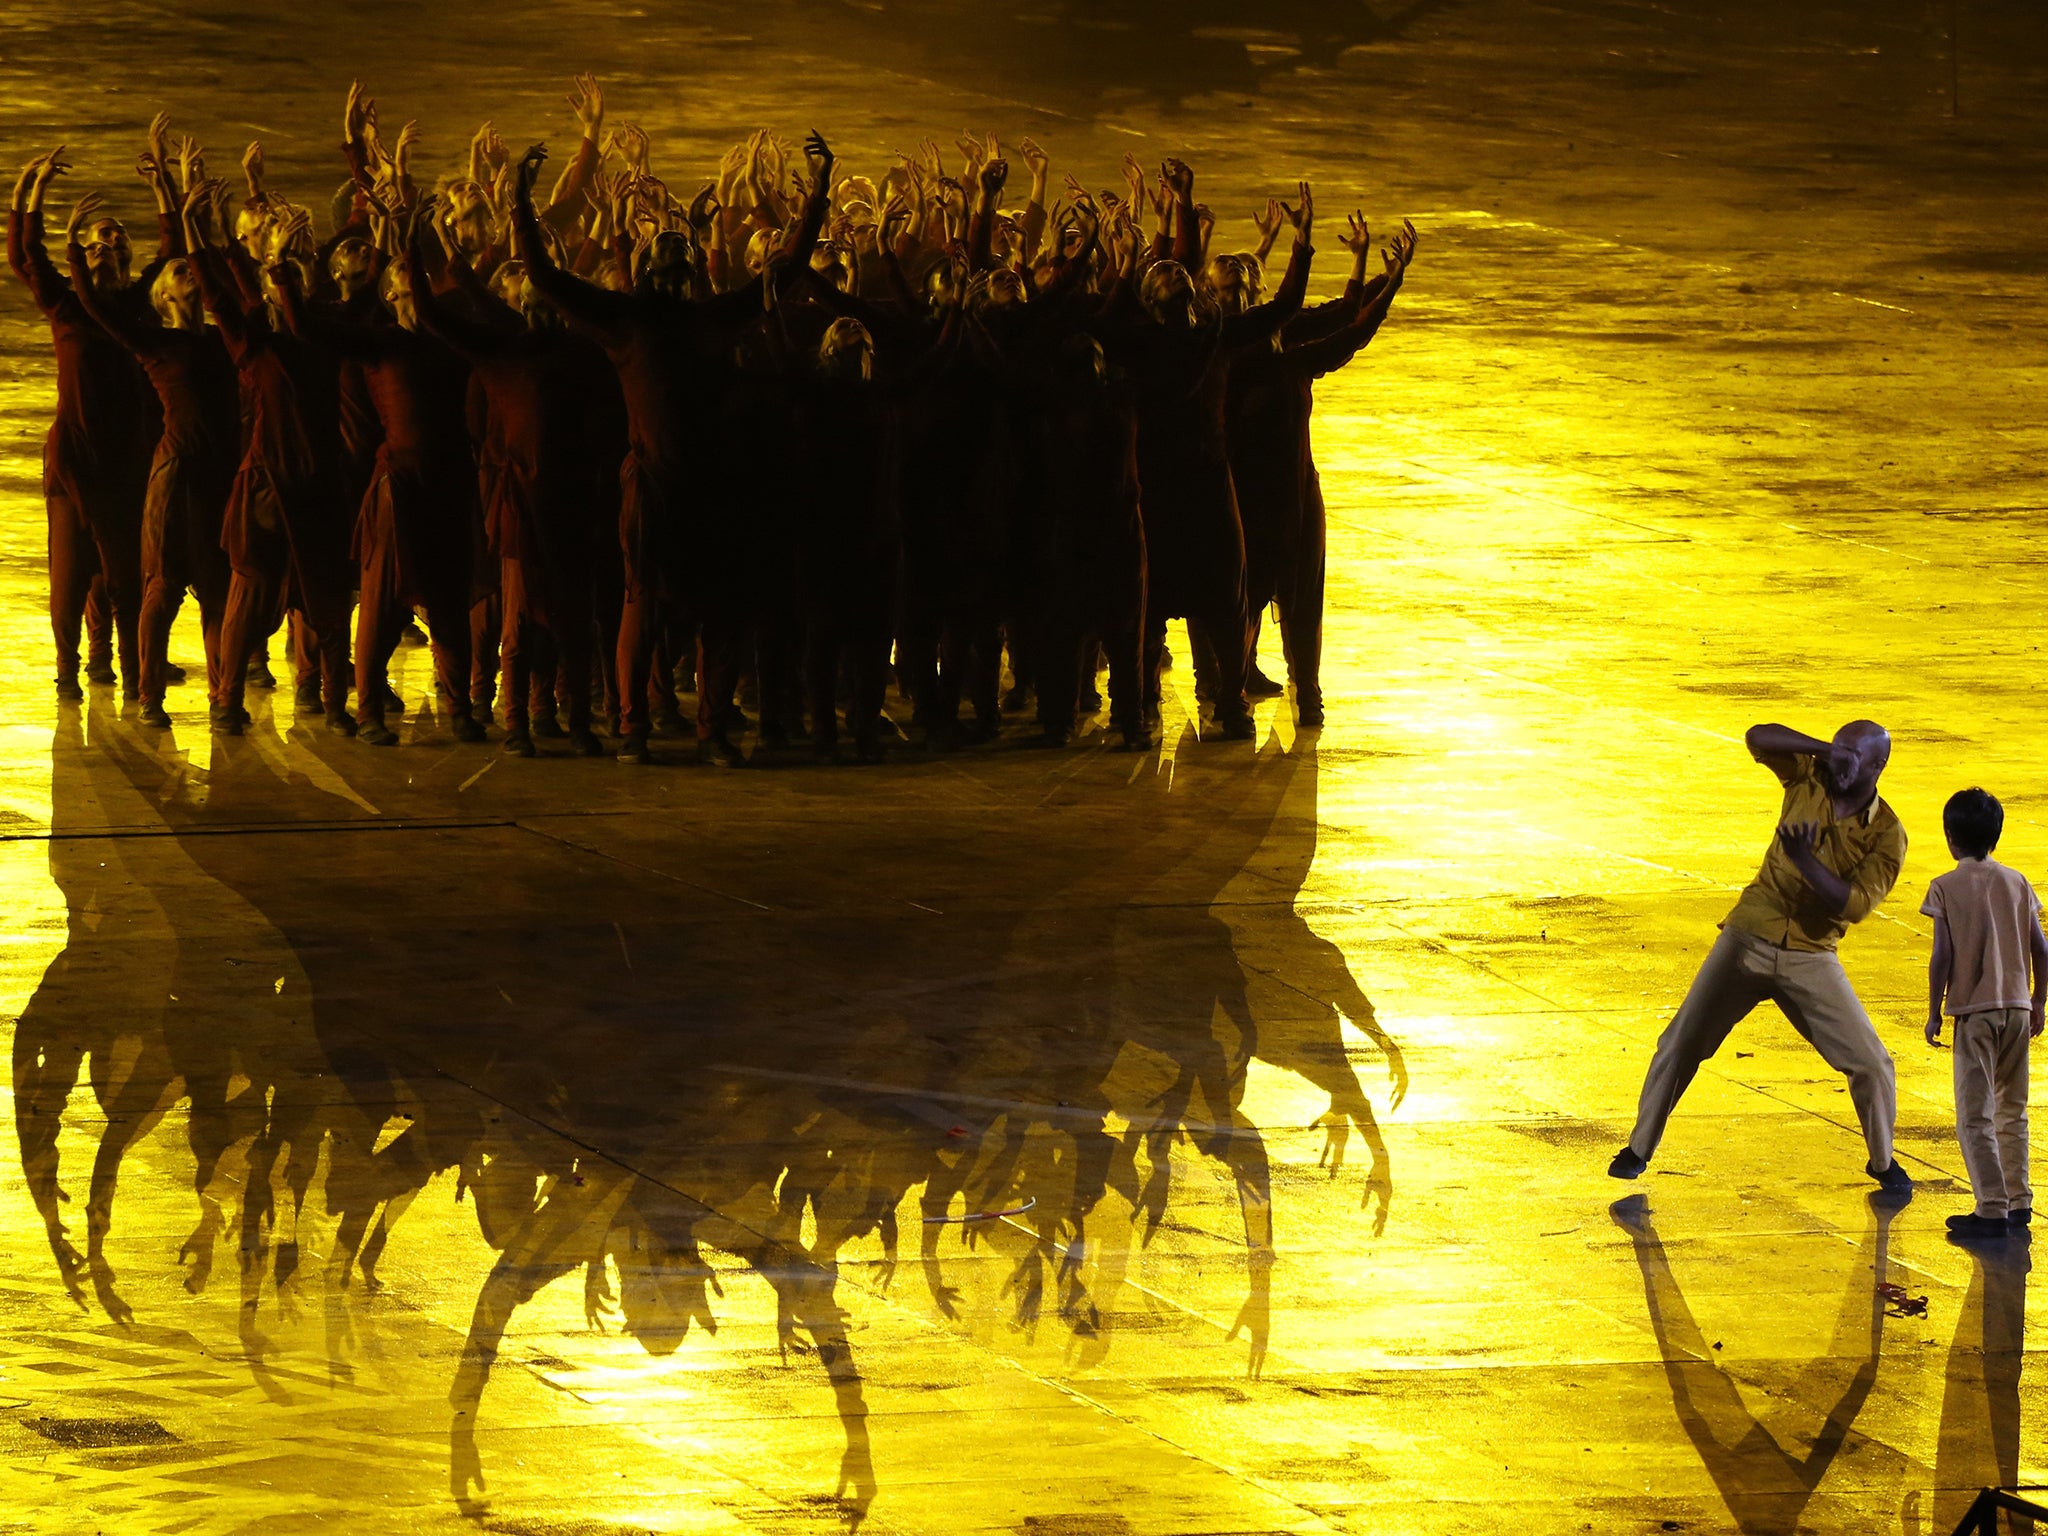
(1813, 991)
(1991, 1107)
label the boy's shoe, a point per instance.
(1971, 1225)
(1626, 1165)
(2020, 1218)
(1894, 1180)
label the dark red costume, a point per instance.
(286, 528)
(97, 455)
(189, 478)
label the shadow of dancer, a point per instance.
(160, 978)
(1979, 1443)
(1765, 1484)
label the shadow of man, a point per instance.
(1763, 1480)
(1979, 1442)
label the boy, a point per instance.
(1987, 938)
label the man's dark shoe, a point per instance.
(546, 725)
(633, 748)
(1259, 686)
(258, 674)
(1894, 1180)
(412, 635)
(173, 674)
(2020, 1218)
(100, 672)
(68, 690)
(1626, 1165)
(1970, 1225)
(375, 733)
(466, 728)
(583, 744)
(518, 743)
(341, 723)
(306, 697)
(670, 722)
(720, 753)
(153, 716)
(226, 720)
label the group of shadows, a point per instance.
(719, 1031)
(726, 1032)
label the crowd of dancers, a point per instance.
(800, 432)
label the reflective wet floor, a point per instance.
(1081, 1143)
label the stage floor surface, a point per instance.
(1083, 1142)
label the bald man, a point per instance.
(1836, 856)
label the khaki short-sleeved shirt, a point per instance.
(1866, 850)
(1992, 914)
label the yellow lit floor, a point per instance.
(427, 1140)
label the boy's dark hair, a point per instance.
(1973, 819)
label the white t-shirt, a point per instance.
(1992, 915)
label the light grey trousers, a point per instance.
(1991, 1107)
(1813, 990)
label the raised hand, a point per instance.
(82, 212)
(993, 176)
(1357, 237)
(191, 161)
(818, 153)
(352, 112)
(1036, 160)
(409, 135)
(529, 169)
(1179, 178)
(153, 137)
(1303, 215)
(704, 207)
(633, 146)
(1405, 242)
(587, 102)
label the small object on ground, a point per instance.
(1898, 1304)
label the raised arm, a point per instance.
(796, 251)
(1187, 239)
(1262, 321)
(1768, 741)
(1033, 229)
(1326, 354)
(598, 308)
(474, 339)
(571, 193)
(26, 252)
(981, 228)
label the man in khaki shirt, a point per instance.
(1836, 855)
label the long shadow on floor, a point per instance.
(773, 1025)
